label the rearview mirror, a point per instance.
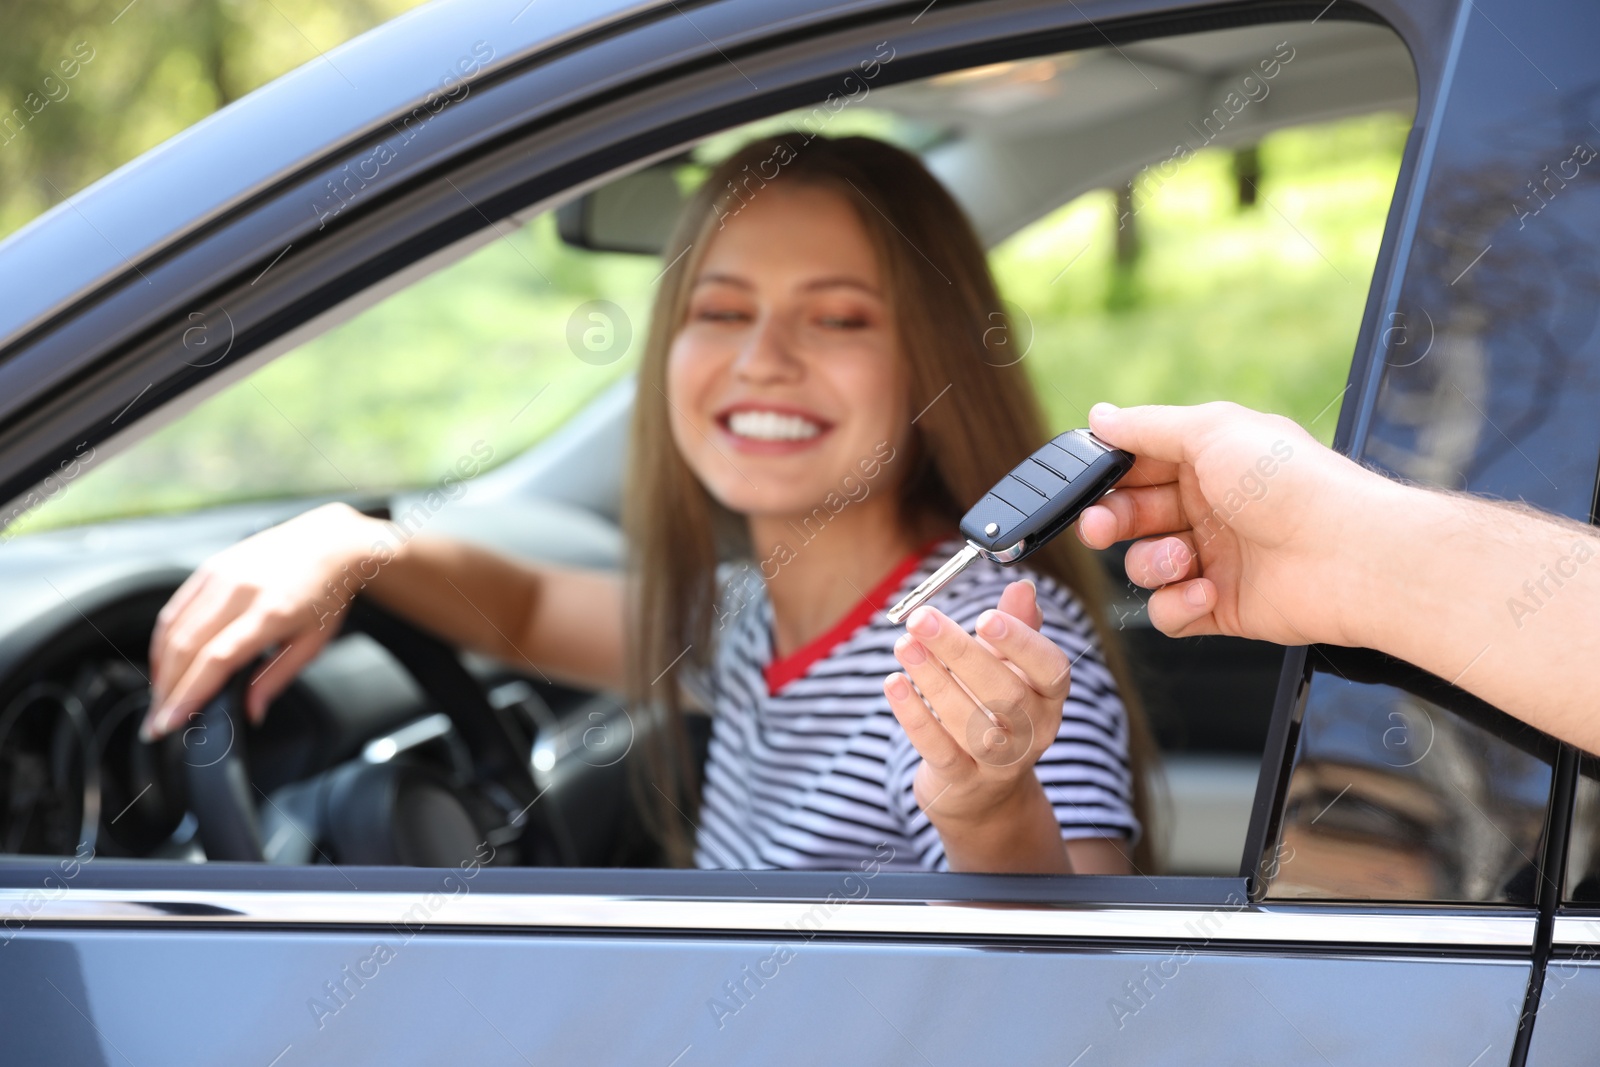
(633, 214)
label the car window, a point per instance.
(1193, 287)
(1227, 257)
(1403, 789)
(495, 350)
(1582, 882)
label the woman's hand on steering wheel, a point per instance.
(281, 592)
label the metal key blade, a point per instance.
(934, 582)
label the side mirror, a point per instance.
(633, 214)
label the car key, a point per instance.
(1043, 495)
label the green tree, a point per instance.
(87, 85)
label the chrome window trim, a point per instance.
(1340, 924)
(1576, 930)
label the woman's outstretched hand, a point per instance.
(989, 707)
(273, 591)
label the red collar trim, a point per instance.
(780, 672)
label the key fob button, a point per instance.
(1062, 462)
(1019, 494)
(1078, 447)
(1043, 477)
(1042, 495)
(991, 509)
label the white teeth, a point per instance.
(772, 426)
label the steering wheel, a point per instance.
(395, 812)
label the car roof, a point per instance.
(275, 131)
(1012, 141)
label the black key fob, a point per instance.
(1043, 495)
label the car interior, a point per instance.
(514, 348)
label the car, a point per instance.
(1366, 864)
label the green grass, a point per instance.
(1258, 305)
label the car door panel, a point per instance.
(1565, 1034)
(382, 996)
(1565, 1030)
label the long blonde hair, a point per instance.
(950, 321)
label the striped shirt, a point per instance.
(808, 767)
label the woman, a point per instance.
(824, 389)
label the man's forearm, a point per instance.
(1497, 599)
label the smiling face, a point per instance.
(787, 372)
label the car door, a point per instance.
(1480, 378)
(1352, 934)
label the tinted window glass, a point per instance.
(1491, 377)
(1403, 789)
(1582, 885)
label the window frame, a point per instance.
(505, 158)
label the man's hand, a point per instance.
(1242, 519)
(1249, 527)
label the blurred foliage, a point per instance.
(476, 352)
(1257, 304)
(87, 85)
